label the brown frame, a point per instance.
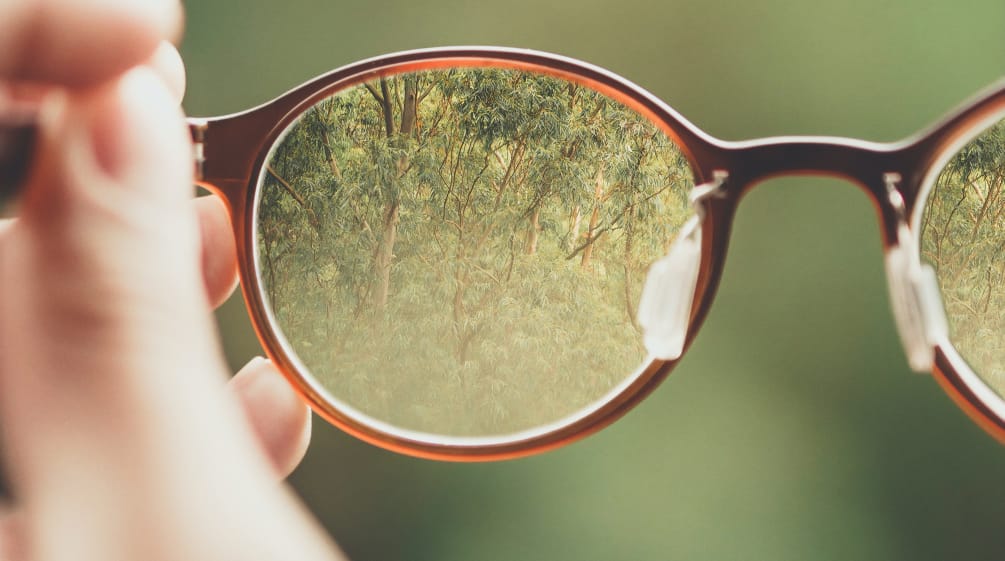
(231, 151)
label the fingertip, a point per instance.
(280, 419)
(167, 63)
(219, 250)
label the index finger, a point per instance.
(74, 43)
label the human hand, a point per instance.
(120, 436)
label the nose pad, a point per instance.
(668, 294)
(917, 304)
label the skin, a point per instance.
(121, 435)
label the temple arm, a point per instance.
(17, 147)
(18, 134)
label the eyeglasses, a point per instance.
(483, 253)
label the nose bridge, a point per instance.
(859, 162)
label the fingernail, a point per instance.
(169, 66)
(177, 22)
(256, 369)
(166, 17)
(256, 361)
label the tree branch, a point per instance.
(289, 188)
(374, 93)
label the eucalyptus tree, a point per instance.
(437, 218)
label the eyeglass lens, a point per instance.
(461, 251)
(963, 237)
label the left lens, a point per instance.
(460, 251)
(963, 237)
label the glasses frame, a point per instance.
(232, 150)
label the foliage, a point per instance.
(461, 251)
(963, 236)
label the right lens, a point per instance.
(963, 237)
(460, 251)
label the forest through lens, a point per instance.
(460, 251)
(963, 237)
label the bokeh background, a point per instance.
(793, 429)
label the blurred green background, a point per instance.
(793, 429)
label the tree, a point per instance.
(963, 236)
(418, 237)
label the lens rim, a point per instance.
(965, 387)
(604, 411)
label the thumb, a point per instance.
(110, 373)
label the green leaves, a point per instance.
(474, 271)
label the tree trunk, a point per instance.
(386, 109)
(598, 195)
(975, 231)
(588, 250)
(575, 220)
(330, 155)
(385, 255)
(989, 200)
(629, 264)
(533, 230)
(409, 109)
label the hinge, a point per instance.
(891, 180)
(198, 128)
